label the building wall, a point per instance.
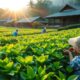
(64, 20)
(71, 20)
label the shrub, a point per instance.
(69, 27)
(36, 24)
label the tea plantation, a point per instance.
(35, 56)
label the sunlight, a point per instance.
(14, 5)
(15, 8)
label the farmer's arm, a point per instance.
(70, 56)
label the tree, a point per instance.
(41, 8)
(2, 11)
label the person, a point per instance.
(43, 30)
(74, 61)
(15, 33)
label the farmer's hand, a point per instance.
(71, 49)
(66, 52)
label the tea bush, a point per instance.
(36, 56)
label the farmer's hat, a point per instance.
(74, 41)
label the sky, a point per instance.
(19, 4)
(5, 3)
(14, 4)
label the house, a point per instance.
(2, 22)
(9, 22)
(5, 21)
(69, 14)
(27, 22)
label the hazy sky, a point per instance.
(9, 3)
(14, 5)
(21, 3)
(18, 4)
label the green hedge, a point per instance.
(69, 27)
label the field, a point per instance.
(35, 56)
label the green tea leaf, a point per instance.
(73, 77)
(62, 76)
(30, 72)
(28, 59)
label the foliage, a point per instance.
(35, 56)
(69, 27)
(36, 24)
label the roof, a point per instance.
(68, 7)
(6, 20)
(2, 20)
(28, 20)
(65, 13)
(76, 5)
(9, 20)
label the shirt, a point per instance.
(15, 33)
(75, 63)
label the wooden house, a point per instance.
(69, 14)
(27, 22)
(5, 21)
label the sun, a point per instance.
(15, 8)
(15, 5)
